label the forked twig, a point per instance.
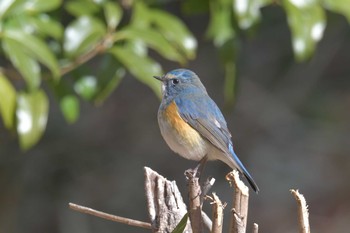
(217, 213)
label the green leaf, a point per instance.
(36, 6)
(192, 7)
(142, 68)
(7, 102)
(110, 75)
(70, 108)
(82, 35)
(228, 58)
(106, 90)
(27, 66)
(152, 39)
(35, 48)
(180, 227)
(141, 15)
(339, 6)
(248, 11)
(230, 81)
(113, 14)
(220, 27)
(82, 7)
(41, 24)
(32, 112)
(20, 22)
(175, 31)
(6, 6)
(138, 46)
(307, 22)
(86, 86)
(45, 25)
(19, 7)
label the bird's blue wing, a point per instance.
(203, 115)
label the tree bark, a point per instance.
(164, 202)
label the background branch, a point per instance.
(99, 47)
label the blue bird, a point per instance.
(192, 124)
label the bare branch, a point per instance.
(194, 193)
(127, 221)
(239, 215)
(98, 48)
(303, 213)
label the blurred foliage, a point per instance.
(51, 42)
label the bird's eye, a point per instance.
(175, 81)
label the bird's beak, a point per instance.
(159, 78)
(162, 79)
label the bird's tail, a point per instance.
(238, 165)
(251, 181)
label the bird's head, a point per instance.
(180, 81)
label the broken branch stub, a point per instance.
(165, 205)
(239, 216)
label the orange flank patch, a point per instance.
(183, 130)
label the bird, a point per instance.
(192, 124)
